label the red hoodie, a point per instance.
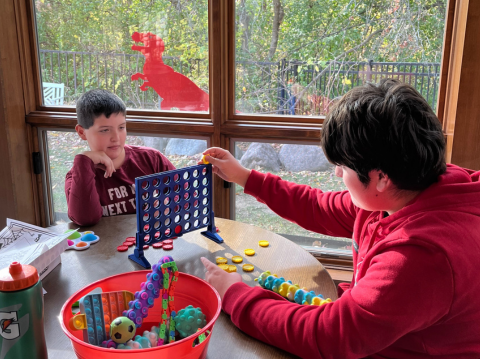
(415, 290)
(90, 195)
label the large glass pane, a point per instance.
(152, 54)
(63, 146)
(293, 57)
(302, 164)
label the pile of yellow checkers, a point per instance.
(222, 262)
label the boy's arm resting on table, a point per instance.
(330, 213)
(83, 201)
(365, 320)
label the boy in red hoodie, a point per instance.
(415, 226)
(102, 180)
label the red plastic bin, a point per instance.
(189, 290)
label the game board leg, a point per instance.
(140, 259)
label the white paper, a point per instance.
(29, 244)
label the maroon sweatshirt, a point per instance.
(415, 289)
(90, 195)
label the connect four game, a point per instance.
(172, 203)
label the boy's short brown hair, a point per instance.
(95, 103)
(387, 127)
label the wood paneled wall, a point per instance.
(17, 192)
(461, 119)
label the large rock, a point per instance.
(158, 143)
(239, 153)
(185, 146)
(263, 155)
(297, 158)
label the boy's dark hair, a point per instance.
(95, 103)
(387, 127)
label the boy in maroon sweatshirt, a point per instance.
(102, 180)
(415, 226)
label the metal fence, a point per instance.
(83, 71)
(300, 88)
(284, 87)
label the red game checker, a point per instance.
(130, 239)
(122, 248)
(128, 244)
(146, 246)
(167, 247)
(157, 245)
(167, 241)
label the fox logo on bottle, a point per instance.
(11, 328)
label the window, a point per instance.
(293, 57)
(302, 164)
(144, 51)
(63, 146)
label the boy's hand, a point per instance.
(218, 278)
(226, 166)
(100, 159)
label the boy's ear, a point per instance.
(382, 180)
(81, 132)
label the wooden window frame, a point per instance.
(22, 112)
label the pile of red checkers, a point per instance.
(130, 241)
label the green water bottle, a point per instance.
(22, 333)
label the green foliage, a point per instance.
(316, 32)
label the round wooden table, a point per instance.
(80, 268)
